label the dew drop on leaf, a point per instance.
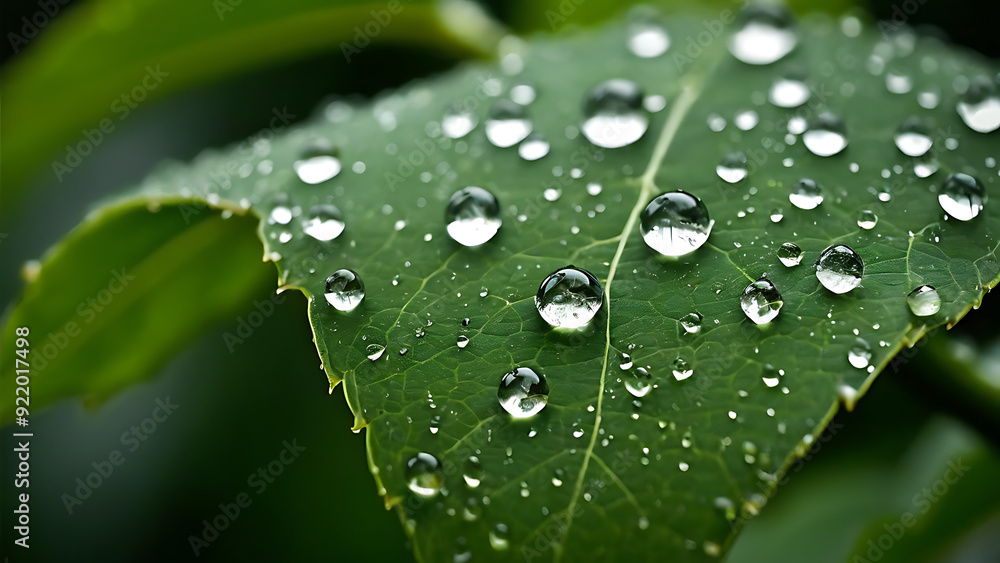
(913, 137)
(733, 167)
(374, 351)
(463, 341)
(473, 472)
(790, 254)
(458, 121)
(533, 148)
(626, 362)
(317, 164)
(569, 297)
(691, 323)
(924, 301)
(637, 384)
(962, 196)
(867, 219)
(507, 124)
(840, 268)
(806, 194)
(613, 114)
(826, 136)
(424, 475)
(860, 354)
(681, 369)
(324, 222)
(761, 301)
(980, 106)
(766, 35)
(523, 392)
(473, 216)
(500, 537)
(788, 92)
(675, 223)
(344, 290)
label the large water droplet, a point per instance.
(324, 223)
(317, 164)
(806, 194)
(980, 106)
(423, 475)
(733, 167)
(913, 138)
(962, 196)
(458, 121)
(374, 351)
(761, 301)
(924, 301)
(507, 124)
(533, 148)
(647, 39)
(638, 384)
(826, 136)
(473, 472)
(788, 93)
(765, 37)
(691, 323)
(626, 362)
(344, 290)
(473, 216)
(569, 297)
(681, 369)
(523, 392)
(675, 223)
(860, 354)
(613, 114)
(790, 254)
(280, 213)
(840, 268)
(770, 375)
(867, 219)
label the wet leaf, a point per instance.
(673, 464)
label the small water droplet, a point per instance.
(643, 523)
(770, 376)
(324, 223)
(790, 254)
(507, 124)
(733, 167)
(523, 94)
(691, 323)
(826, 136)
(777, 215)
(840, 268)
(626, 362)
(280, 214)
(746, 120)
(788, 92)
(500, 537)
(980, 106)
(594, 188)
(765, 37)
(682, 369)
(344, 290)
(317, 164)
(675, 223)
(761, 301)
(424, 475)
(533, 148)
(458, 121)
(860, 354)
(613, 114)
(913, 137)
(924, 301)
(473, 216)
(374, 351)
(523, 392)
(647, 39)
(867, 219)
(898, 83)
(569, 297)
(962, 196)
(473, 472)
(806, 194)
(463, 341)
(638, 384)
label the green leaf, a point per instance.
(599, 473)
(119, 55)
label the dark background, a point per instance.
(236, 409)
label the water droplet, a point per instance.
(806, 194)
(523, 94)
(980, 106)
(317, 164)
(324, 223)
(280, 214)
(860, 353)
(613, 114)
(626, 362)
(682, 369)
(777, 215)
(765, 37)
(788, 93)
(374, 351)
(691, 323)
(473, 216)
(826, 136)
(867, 219)
(507, 124)
(790, 254)
(523, 392)
(675, 223)
(840, 268)
(924, 301)
(962, 196)
(647, 39)
(761, 301)
(473, 472)
(458, 121)
(569, 297)
(925, 166)
(913, 138)
(344, 290)
(594, 188)
(423, 475)
(643, 523)
(638, 384)
(746, 120)
(533, 148)
(770, 376)
(733, 167)
(500, 537)
(898, 83)
(463, 341)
